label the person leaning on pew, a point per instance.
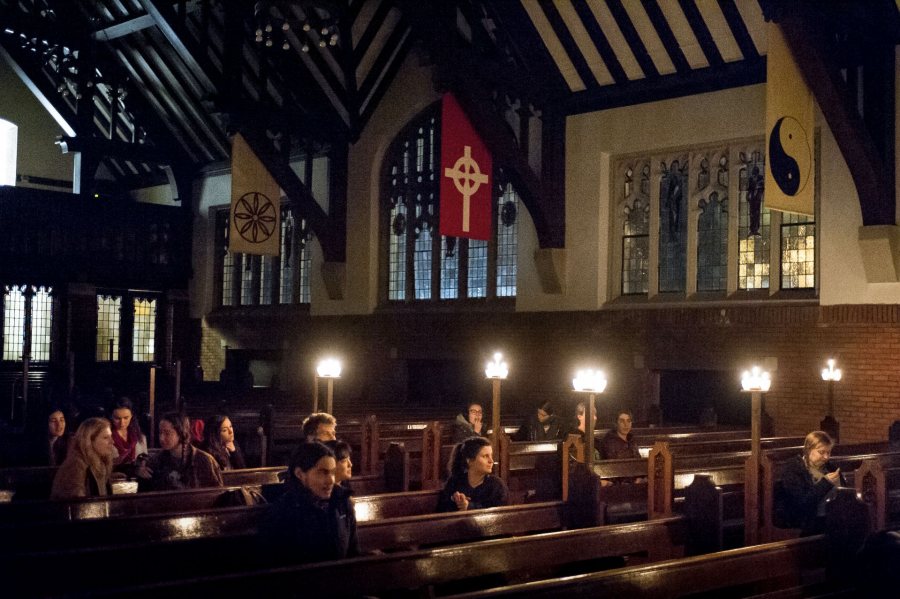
(320, 426)
(471, 484)
(180, 465)
(314, 519)
(806, 483)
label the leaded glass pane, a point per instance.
(41, 323)
(478, 267)
(265, 280)
(109, 318)
(397, 254)
(712, 244)
(228, 281)
(249, 266)
(288, 258)
(144, 333)
(301, 244)
(422, 257)
(798, 252)
(449, 267)
(13, 323)
(507, 242)
(636, 228)
(673, 226)
(754, 224)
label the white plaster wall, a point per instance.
(38, 155)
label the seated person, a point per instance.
(806, 482)
(314, 519)
(88, 467)
(179, 465)
(219, 443)
(344, 470)
(320, 426)
(618, 443)
(471, 484)
(543, 425)
(582, 425)
(470, 424)
(51, 449)
(128, 440)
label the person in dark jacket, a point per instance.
(470, 424)
(806, 482)
(314, 519)
(543, 425)
(53, 447)
(618, 443)
(471, 484)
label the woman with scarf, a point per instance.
(88, 466)
(129, 441)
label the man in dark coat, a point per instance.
(314, 519)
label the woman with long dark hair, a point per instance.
(129, 441)
(88, 466)
(179, 465)
(471, 484)
(219, 443)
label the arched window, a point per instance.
(422, 264)
(9, 134)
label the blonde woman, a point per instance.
(88, 466)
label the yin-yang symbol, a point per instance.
(790, 157)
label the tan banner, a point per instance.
(790, 119)
(255, 220)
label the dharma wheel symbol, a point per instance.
(254, 217)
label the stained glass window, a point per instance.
(754, 224)
(421, 265)
(712, 244)
(143, 338)
(636, 229)
(109, 318)
(17, 299)
(798, 251)
(263, 280)
(673, 226)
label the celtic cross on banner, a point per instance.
(467, 178)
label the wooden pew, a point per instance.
(792, 568)
(877, 480)
(392, 573)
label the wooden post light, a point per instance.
(496, 371)
(328, 369)
(829, 424)
(755, 382)
(591, 382)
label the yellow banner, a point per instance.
(790, 119)
(255, 220)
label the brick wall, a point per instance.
(631, 344)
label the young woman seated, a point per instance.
(343, 472)
(129, 442)
(219, 443)
(179, 465)
(471, 484)
(88, 466)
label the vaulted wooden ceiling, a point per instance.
(151, 89)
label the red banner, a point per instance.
(466, 173)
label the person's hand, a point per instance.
(143, 470)
(834, 477)
(461, 501)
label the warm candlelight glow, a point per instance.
(589, 381)
(329, 368)
(756, 379)
(831, 373)
(497, 369)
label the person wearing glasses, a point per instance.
(469, 424)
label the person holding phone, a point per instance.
(807, 482)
